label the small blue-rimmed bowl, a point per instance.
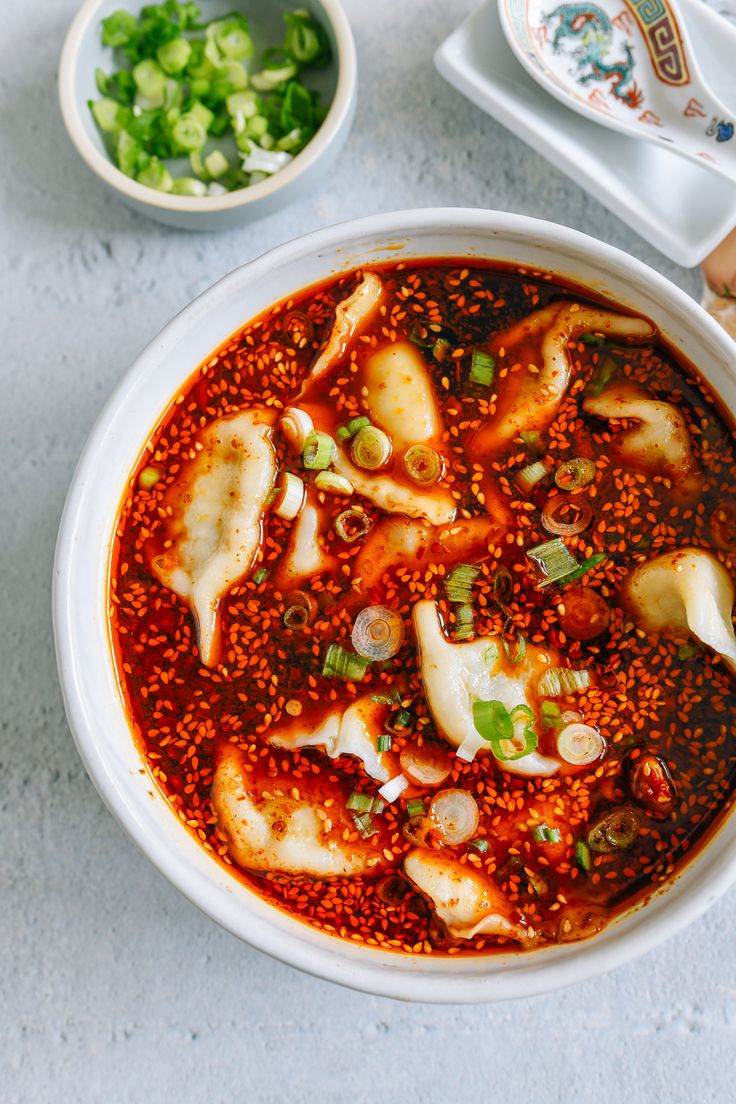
(336, 83)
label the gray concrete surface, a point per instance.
(112, 987)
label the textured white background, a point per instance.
(112, 987)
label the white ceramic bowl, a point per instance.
(337, 84)
(93, 703)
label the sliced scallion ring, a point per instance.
(558, 682)
(319, 451)
(580, 745)
(296, 426)
(575, 474)
(378, 632)
(370, 448)
(351, 525)
(482, 368)
(425, 765)
(566, 516)
(290, 500)
(332, 483)
(422, 464)
(553, 560)
(530, 475)
(455, 812)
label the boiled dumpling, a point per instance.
(659, 441)
(352, 732)
(350, 315)
(454, 676)
(467, 902)
(687, 590)
(529, 398)
(276, 830)
(412, 545)
(217, 509)
(399, 396)
(305, 554)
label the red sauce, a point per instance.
(651, 695)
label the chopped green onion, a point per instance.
(684, 652)
(392, 698)
(148, 478)
(354, 425)
(268, 79)
(296, 617)
(150, 81)
(582, 856)
(173, 56)
(558, 682)
(291, 498)
(490, 655)
(440, 349)
(532, 441)
(216, 164)
(403, 719)
(107, 114)
(615, 831)
(479, 845)
(370, 448)
(339, 663)
(520, 651)
(553, 561)
(332, 483)
(415, 808)
(575, 473)
(422, 464)
(119, 28)
(464, 621)
(305, 41)
(482, 368)
(539, 833)
(378, 632)
(364, 824)
(593, 339)
(551, 715)
(384, 741)
(583, 568)
(156, 175)
(536, 883)
(459, 583)
(517, 747)
(360, 802)
(188, 186)
(565, 515)
(341, 433)
(602, 376)
(260, 575)
(492, 720)
(319, 451)
(189, 132)
(529, 476)
(352, 524)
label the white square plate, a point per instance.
(683, 210)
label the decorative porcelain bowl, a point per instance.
(337, 85)
(93, 701)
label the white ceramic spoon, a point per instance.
(629, 65)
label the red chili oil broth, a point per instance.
(650, 693)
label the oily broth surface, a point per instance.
(645, 695)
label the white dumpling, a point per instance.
(455, 676)
(352, 732)
(687, 590)
(411, 545)
(437, 506)
(528, 400)
(350, 316)
(305, 554)
(217, 509)
(467, 902)
(278, 831)
(399, 395)
(659, 441)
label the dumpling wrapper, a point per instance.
(436, 506)
(529, 399)
(659, 442)
(467, 902)
(687, 590)
(350, 316)
(454, 676)
(398, 543)
(217, 511)
(305, 555)
(276, 831)
(399, 395)
(353, 732)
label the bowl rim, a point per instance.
(266, 928)
(338, 113)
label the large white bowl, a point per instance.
(91, 694)
(337, 84)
